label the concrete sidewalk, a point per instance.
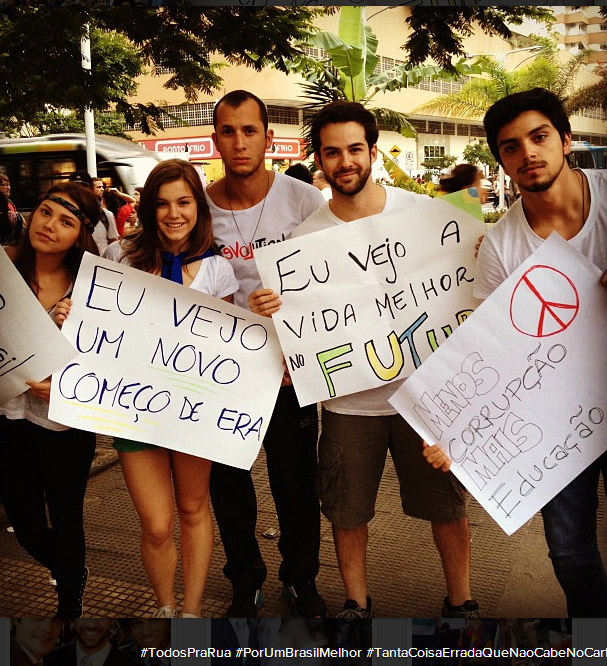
(511, 576)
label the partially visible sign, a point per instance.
(409, 160)
(31, 345)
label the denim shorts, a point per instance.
(351, 457)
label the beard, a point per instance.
(543, 186)
(350, 189)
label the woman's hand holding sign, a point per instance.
(264, 302)
(62, 310)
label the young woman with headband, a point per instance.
(45, 465)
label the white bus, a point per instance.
(33, 164)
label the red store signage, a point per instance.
(202, 147)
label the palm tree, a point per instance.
(479, 94)
(348, 71)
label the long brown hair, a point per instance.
(25, 260)
(143, 249)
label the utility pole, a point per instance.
(89, 116)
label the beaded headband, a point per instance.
(74, 210)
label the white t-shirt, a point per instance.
(373, 402)
(214, 277)
(287, 204)
(512, 240)
(101, 235)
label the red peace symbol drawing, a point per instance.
(544, 302)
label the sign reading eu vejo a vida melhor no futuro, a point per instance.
(366, 302)
(165, 364)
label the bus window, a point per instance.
(581, 159)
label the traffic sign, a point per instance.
(395, 151)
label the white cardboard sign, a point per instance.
(31, 345)
(364, 303)
(164, 364)
(517, 396)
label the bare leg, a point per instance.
(453, 544)
(351, 550)
(191, 476)
(148, 477)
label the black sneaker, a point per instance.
(305, 600)
(245, 603)
(353, 611)
(469, 609)
(70, 594)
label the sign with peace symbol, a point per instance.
(544, 302)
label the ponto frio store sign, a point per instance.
(204, 148)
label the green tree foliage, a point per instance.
(57, 122)
(348, 73)
(479, 153)
(438, 32)
(591, 96)
(544, 70)
(438, 164)
(40, 68)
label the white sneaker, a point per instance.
(165, 611)
(189, 615)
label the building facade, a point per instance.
(436, 136)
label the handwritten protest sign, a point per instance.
(364, 303)
(164, 364)
(31, 346)
(517, 396)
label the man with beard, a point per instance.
(34, 638)
(530, 136)
(359, 429)
(92, 646)
(251, 207)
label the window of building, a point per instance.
(283, 115)
(419, 125)
(477, 130)
(159, 70)
(387, 64)
(434, 151)
(449, 128)
(434, 127)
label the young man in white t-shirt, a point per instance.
(251, 207)
(359, 429)
(530, 136)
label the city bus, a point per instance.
(585, 156)
(33, 164)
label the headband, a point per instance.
(74, 210)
